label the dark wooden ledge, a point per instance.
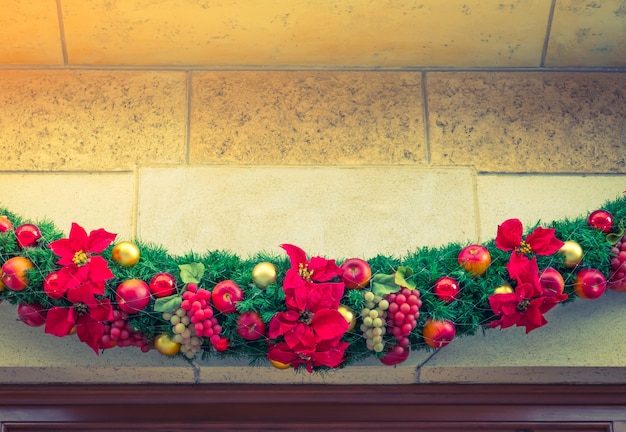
(312, 407)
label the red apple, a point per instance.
(356, 273)
(601, 220)
(589, 284)
(14, 273)
(33, 314)
(446, 288)
(162, 285)
(225, 296)
(27, 235)
(475, 259)
(5, 224)
(552, 282)
(438, 333)
(250, 326)
(132, 295)
(395, 355)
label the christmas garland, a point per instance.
(298, 311)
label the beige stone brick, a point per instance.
(588, 33)
(307, 118)
(541, 198)
(91, 120)
(302, 33)
(333, 211)
(97, 200)
(30, 33)
(528, 121)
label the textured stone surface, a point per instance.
(588, 33)
(97, 200)
(29, 355)
(370, 371)
(303, 33)
(582, 342)
(307, 117)
(528, 122)
(333, 211)
(91, 120)
(541, 198)
(30, 33)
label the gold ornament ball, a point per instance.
(165, 345)
(126, 254)
(264, 274)
(573, 253)
(503, 289)
(279, 365)
(349, 315)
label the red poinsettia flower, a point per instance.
(524, 307)
(312, 327)
(88, 318)
(540, 242)
(327, 354)
(81, 267)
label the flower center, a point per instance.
(306, 317)
(523, 305)
(524, 248)
(81, 308)
(304, 272)
(80, 258)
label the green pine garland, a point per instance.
(469, 312)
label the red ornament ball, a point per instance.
(601, 220)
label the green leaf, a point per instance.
(613, 238)
(191, 273)
(402, 274)
(384, 284)
(167, 304)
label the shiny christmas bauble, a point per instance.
(503, 289)
(279, 365)
(165, 345)
(264, 274)
(27, 235)
(349, 315)
(126, 254)
(572, 252)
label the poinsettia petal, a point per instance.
(328, 324)
(99, 270)
(99, 240)
(330, 356)
(509, 234)
(281, 353)
(498, 301)
(528, 274)
(60, 321)
(78, 238)
(62, 248)
(296, 255)
(293, 279)
(325, 296)
(322, 269)
(101, 310)
(542, 241)
(301, 339)
(90, 332)
(283, 322)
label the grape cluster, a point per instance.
(118, 332)
(402, 315)
(193, 320)
(618, 265)
(374, 316)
